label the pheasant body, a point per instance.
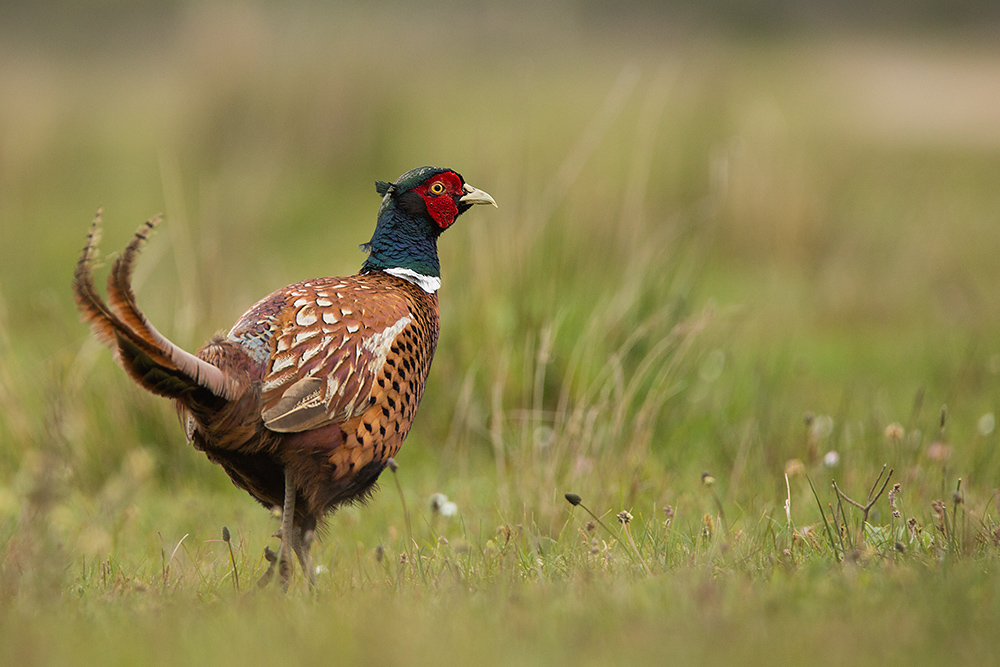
(342, 364)
(315, 387)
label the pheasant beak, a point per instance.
(476, 196)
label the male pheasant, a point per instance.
(315, 387)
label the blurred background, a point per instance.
(731, 236)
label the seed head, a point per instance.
(893, 492)
(225, 534)
(894, 432)
(794, 467)
(438, 501)
(624, 518)
(573, 499)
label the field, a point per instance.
(740, 297)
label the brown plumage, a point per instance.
(315, 387)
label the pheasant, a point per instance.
(314, 389)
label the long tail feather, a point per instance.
(153, 361)
(92, 308)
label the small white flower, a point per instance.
(437, 501)
(986, 423)
(831, 459)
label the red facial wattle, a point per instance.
(442, 205)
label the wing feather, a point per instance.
(334, 343)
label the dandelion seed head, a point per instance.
(894, 432)
(794, 467)
(437, 502)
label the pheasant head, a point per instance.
(416, 208)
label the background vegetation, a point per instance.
(737, 259)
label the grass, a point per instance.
(723, 276)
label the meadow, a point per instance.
(738, 300)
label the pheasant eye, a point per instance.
(437, 188)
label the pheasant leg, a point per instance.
(288, 534)
(302, 546)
